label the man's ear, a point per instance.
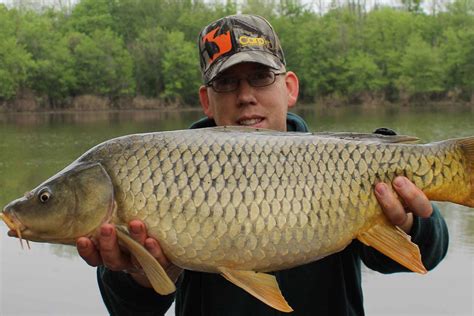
(293, 88)
(204, 99)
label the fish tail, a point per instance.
(467, 146)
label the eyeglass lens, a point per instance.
(256, 79)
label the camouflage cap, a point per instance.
(236, 39)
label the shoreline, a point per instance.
(193, 108)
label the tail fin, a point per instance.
(467, 145)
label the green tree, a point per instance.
(180, 70)
(458, 55)
(363, 74)
(384, 36)
(89, 16)
(421, 68)
(147, 53)
(321, 49)
(108, 47)
(102, 65)
(15, 61)
(131, 18)
(52, 74)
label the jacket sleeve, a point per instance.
(123, 296)
(431, 236)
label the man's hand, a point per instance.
(411, 201)
(105, 250)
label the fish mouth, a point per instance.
(15, 226)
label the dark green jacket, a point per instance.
(330, 286)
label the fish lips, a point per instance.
(14, 224)
(17, 228)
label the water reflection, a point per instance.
(93, 117)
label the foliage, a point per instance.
(52, 73)
(147, 53)
(116, 48)
(421, 70)
(180, 69)
(102, 65)
(15, 61)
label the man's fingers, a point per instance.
(88, 251)
(110, 251)
(138, 231)
(391, 206)
(399, 209)
(154, 248)
(414, 199)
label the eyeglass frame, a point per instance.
(275, 74)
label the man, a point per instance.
(246, 83)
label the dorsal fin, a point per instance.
(369, 137)
(339, 135)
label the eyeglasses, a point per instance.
(257, 79)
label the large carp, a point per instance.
(241, 202)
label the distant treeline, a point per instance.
(146, 50)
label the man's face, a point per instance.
(262, 107)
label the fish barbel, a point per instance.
(242, 202)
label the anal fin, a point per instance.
(154, 271)
(261, 285)
(394, 243)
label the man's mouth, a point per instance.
(250, 121)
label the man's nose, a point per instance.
(245, 93)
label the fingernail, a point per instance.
(106, 231)
(150, 244)
(136, 229)
(399, 182)
(82, 244)
(381, 189)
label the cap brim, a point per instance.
(259, 57)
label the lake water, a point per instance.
(53, 280)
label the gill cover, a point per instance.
(94, 198)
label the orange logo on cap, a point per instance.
(222, 41)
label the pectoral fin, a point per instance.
(261, 285)
(153, 270)
(394, 243)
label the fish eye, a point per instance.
(44, 196)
